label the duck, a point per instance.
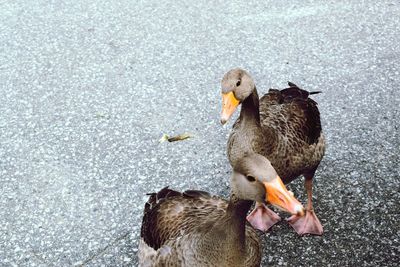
(194, 228)
(284, 126)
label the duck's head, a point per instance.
(236, 86)
(255, 179)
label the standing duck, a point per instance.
(285, 127)
(195, 229)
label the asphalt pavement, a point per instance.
(88, 87)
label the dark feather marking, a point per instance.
(196, 193)
(302, 107)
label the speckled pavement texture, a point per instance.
(88, 87)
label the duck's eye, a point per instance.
(250, 178)
(238, 83)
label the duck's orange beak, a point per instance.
(279, 196)
(229, 104)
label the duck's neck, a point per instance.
(228, 235)
(251, 108)
(236, 215)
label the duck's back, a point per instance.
(169, 214)
(176, 230)
(292, 119)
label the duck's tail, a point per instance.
(315, 92)
(156, 197)
(292, 85)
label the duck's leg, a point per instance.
(308, 223)
(262, 218)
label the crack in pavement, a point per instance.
(101, 251)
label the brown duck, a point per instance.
(284, 126)
(195, 229)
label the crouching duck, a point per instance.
(284, 126)
(194, 228)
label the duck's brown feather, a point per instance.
(298, 115)
(288, 133)
(293, 119)
(169, 214)
(182, 229)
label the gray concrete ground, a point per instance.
(88, 87)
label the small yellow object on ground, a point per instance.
(180, 137)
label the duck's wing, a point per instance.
(164, 256)
(169, 214)
(291, 113)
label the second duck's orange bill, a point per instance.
(279, 196)
(229, 104)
